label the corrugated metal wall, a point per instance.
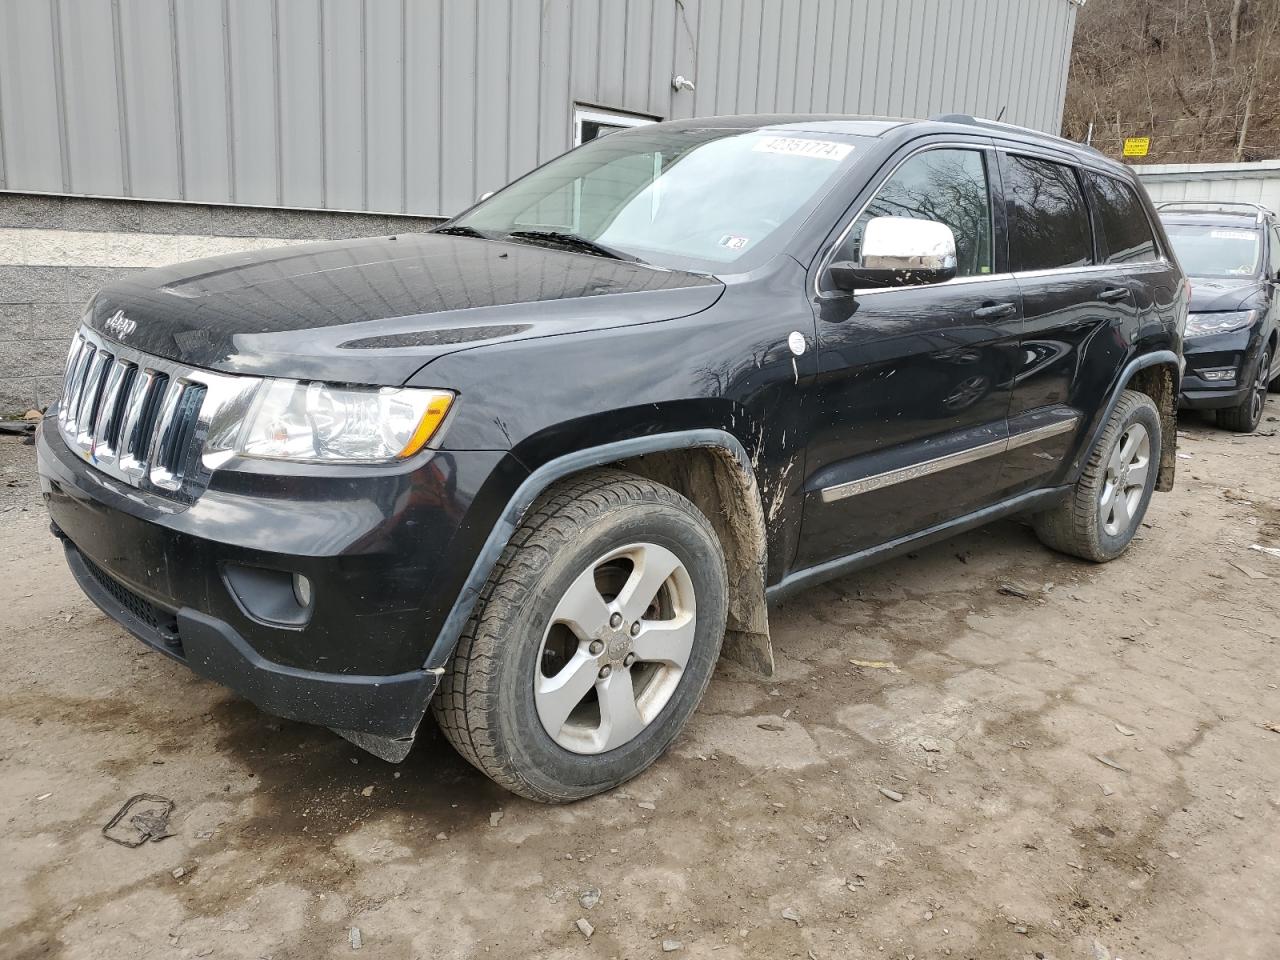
(1247, 182)
(416, 106)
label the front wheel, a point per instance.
(1108, 502)
(593, 640)
(1246, 417)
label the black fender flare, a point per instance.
(533, 486)
(1153, 359)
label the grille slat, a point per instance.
(143, 438)
(78, 384)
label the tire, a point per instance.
(537, 639)
(1078, 526)
(1246, 417)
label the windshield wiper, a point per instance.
(458, 230)
(557, 238)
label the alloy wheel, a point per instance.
(1261, 383)
(1125, 480)
(615, 649)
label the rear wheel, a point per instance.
(593, 640)
(1246, 417)
(1108, 502)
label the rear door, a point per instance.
(1080, 314)
(913, 387)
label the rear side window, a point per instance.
(1126, 231)
(1048, 222)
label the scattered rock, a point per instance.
(367, 792)
(929, 745)
(178, 873)
(1109, 762)
(495, 818)
(876, 665)
(893, 795)
(589, 897)
(647, 805)
(671, 946)
(43, 796)
(1121, 728)
(1106, 790)
(1020, 929)
(442, 835)
(353, 936)
(792, 915)
(585, 927)
(771, 727)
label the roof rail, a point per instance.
(998, 125)
(1217, 206)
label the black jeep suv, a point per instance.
(531, 470)
(1231, 251)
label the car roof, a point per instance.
(905, 127)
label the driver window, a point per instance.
(949, 186)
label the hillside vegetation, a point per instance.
(1201, 78)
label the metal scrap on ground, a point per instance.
(150, 822)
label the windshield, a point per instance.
(702, 200)
(1216, 252)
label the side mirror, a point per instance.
(899, 252)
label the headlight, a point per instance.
(319, 422)
(1201, 324)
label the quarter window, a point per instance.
(1048, 223)
(949, 186)
(1122, 220)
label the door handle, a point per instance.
(1114, 294)
(994, 311)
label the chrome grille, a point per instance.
(142, 419)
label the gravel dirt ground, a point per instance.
(1090, 770)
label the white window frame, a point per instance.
(612, 117)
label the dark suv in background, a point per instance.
(529, 471)
(1231, 252)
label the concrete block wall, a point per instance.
(55, 252)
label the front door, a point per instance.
(913, 388)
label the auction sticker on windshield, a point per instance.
(800, 147)
(1232, 234)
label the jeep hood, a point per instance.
(376, 310)
(1218, 295)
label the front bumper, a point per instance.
(389, 706)
(385, 551)
(1237, 350)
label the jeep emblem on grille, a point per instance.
(119, 325)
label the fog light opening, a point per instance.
(302, 591)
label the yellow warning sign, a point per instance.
(1137, 146)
